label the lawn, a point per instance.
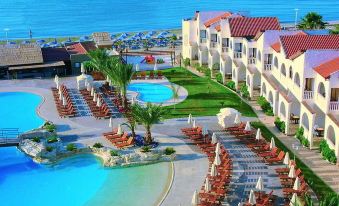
(205, 97)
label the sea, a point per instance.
(63, 18)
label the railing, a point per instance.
(308, 94)
(203, 41)
(237, 55)
(334, 106)
(267, 67)
(251, 60)
(213, 44)
(224, 49)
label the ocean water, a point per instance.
(149, 92)
(78, 17)
(76, 181)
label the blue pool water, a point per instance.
(79, 17)
(76, 181)
(149, 92)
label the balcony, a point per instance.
(308, 94)
(251, 60)
(202, 41)
(267, 67)
(213, 44)
(224, 49)
(334, 106)
(237, 55)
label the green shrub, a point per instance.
(216, 66)
(36, 139)
(160, 61)
(280, 124)
(114, 153)
(52, 139)
(218, 77)
(231, 85)
(145, 149)
(327, 152)
(49, 148)
(330, 199)
(49, 126)
(169, 151)
(187, 62)
(71, 147)
(265, 106)
(97, 145)
(244, 91)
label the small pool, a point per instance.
(150, 92)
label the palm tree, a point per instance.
(312, 20)
(98, 60)
(147, 116)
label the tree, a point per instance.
(147, 116)
(335, 30)
(132, 125)
(173, 39)
(330, 199)
(312, 20)
(98, 60)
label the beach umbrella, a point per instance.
(272, 144)
(44, 45)
(217, 148)
(213, 172)
(287, 159)
(214, 139)
(248, 126)
(132, 100)
(296, 185)
(120, 130)
(237, 119)
(293, 201)
(155, 67)
(63, 101)
(110, 124)
(291, 173)
(89, 87)
(207, 185)
(94, 97)
(137, 67)
(260, 185)
(194, 124)
(60, 96)
(92, 91)
(84, 38)
(56, 78)
(25, 42)
(251, 199)
(217, 160)
(82, 69)
(98, 102)
(189, 120)
(40, 41)
(258, 135)
(195, 199)
(204, 132)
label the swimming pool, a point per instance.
(151, 92)
(76, 181)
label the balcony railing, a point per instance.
(267, 67)
(237, 55)
(334, 106)
(213, 44)
(202, 41)
(308, 94)
(224, 49)
(251, 60)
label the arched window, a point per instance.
(321, 89)
(248, 80)
(305, 122)
(282, 109)
(331, 134)
(259, 55)
(276, 63)
(283, 69)
(244, 49)
(297, 79)
(290, 72)
(263, 88)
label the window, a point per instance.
(213, 37)
(225, 42)
(253, 52)
(77, 65)
(203, 34)
(276, 62)
(321, 89)
(283, 70)
(297, 79)
(290, 73)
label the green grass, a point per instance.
(204, 96)
(315, 182)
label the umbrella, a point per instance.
(291, 173)
(189, 120)
(213, 172)
(287, 159)
(248, 126)
(60, 96)
(63, 101)
(195, 199)
(272, 144)
(217, 160)
(214, 139)
(84, 38)
(44, 45)
(137, 67)
(94, 97)
(40, 41)
(251, 199)
(82, 69)
(92, 91)
(207, 185)
(194, 124)
(237, 119)
(296, 185)
(56, 78)
(217, 148)
(258, 135)
(98, 102)
(89, 87)
(133, 100)
(260, 185)
(204, 132)
(155, 67)
(293, 201)
(110, 122)
(25, 42)
(119, 130)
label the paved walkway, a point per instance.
(312, 158)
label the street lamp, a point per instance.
(296, 18)
(6, 31)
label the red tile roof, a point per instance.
(328, 68)
(276, 46)
(217, 18)
(76, 48)
(297, 44)
(249, 27)
(218, 27)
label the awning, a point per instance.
(37, 66)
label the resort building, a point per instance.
(297, 72)
(78, 54)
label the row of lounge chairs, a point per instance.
(115, 97)
(119, 140)
(221, 180)
(67, 110)
(98, 112)
(152, 75)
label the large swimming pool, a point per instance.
(76, 181)
(150, 92)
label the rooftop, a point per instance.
(19, 54)
(217, 19)
(328, 68)
(55, 54)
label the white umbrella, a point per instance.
(293, 201)
(260, 185)
(137, 68)
(119, 130)
(189, 120)
(296, 185)
(89, 87)
(82, 69)
(60, 96)
(217, 160)
(237, 119)
(207, 185)
(194, 124)
(59, 90)
(213, 172)
(258, 135)
(86, 82)
(98, 102)
(195, 199)
(57, 83)
(217, 148)
(251, 199)
(132, 100)
(287, 159)
(63, 101)
(272, 144)
(214, 139)
(155, 66)
(92, 91)
(248, 126)
(291, 173)
(107, 78)
(94, 97)
(204, 132)
(110, 123)
(56, 78)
